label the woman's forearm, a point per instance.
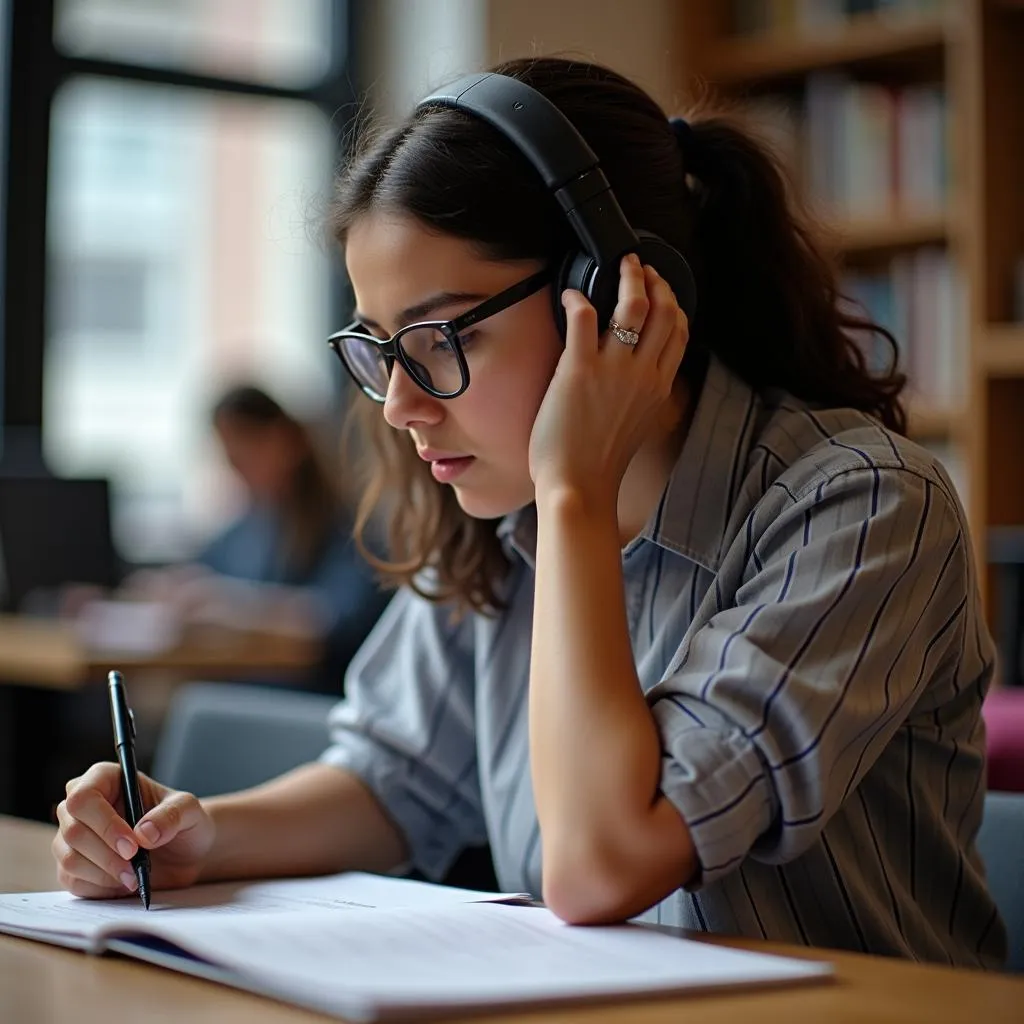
(314, 820)
(612, 843)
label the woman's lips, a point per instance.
(447, 470)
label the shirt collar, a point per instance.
(695, 507)
(517, 533)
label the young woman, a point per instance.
(686, 627)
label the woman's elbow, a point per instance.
(587, 893)
(589, 884)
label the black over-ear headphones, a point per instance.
(570, 169)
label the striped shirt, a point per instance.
(805, 620)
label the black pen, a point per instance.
(124, 739)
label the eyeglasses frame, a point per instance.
(392, 350)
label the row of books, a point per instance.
(751, 17)
(860, 150)
(920, 298)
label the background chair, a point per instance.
(1004, 723)
(221, 737)
(1001, 845)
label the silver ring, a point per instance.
(624, 334)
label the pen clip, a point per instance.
(131, 721)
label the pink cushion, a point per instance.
(1004, 721)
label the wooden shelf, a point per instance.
(860, 41)
(894, 233)
(932, 423)
(1002, 350)
(973, 50)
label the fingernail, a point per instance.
(634, 259)
(126, 848)
(128, 881)
(149, 831)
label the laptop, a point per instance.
(53, 531)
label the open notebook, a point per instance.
(366, 947)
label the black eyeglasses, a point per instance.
(429, 351)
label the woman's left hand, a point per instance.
(606, 396)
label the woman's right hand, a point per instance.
(94, 844)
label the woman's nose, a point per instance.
(407, 404)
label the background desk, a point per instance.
(42, 984)
(38, 657)
(41, 653)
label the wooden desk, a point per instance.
(42, 984)
(41, 653)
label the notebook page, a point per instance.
(362, 963)
(61, 917)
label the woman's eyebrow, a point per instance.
(421, 309)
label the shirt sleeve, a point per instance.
(850, 602)
(407, 728)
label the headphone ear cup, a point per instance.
(671, 264)
(599, 285)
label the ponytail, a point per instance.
(768, 304)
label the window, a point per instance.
(185, 253)
(167, 167)
(104, 295)
(283, 42)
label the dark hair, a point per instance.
(310, 509)
(768, 304)
(249, 405)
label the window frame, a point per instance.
(36, 72)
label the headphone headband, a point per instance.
(539, 130)
(560, 155)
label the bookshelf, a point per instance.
(867, 41)
(945, 83)
(1002, 351)
(870, 237)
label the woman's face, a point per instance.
(394, 264)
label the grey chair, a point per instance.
(1001, 845)
(221, 737)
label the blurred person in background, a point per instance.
(288, 561)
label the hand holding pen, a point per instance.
(97, 845)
